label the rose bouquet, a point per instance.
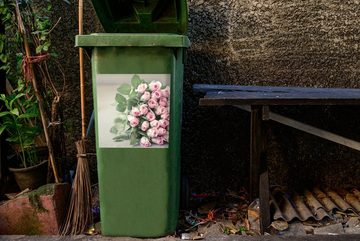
(144, 113)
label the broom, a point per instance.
(79, 215)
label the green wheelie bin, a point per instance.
(137, 87)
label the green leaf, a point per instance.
(121, 107)
(28, 115)
(19, 61)
(128, 131)
(15, 111)
(121, 137)
(119, 120)
(133, 138)
(15, 98)
(28, 142)
(4, 113)
(13, 139)
(113, 130)
(124, 89)
(118, 139)
(142, 133)
(135, 80)
(46, 46)
(43, 37)
(133, 94)
(132, 102)
(122, 103)
(3, 58)
(53, 54)
(38, 49)
(120, 98)
(2, 128)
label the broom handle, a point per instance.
(81, 63)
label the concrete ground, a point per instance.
(347, 237)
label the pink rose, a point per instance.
(158, 140)
(165, 116)
(160, 110)
(141, 88)
(144, 109)
(145, 125)
(163, 101)
(155, 85)
(145, 142)
(152, 103)
(152, 132)
(154, 123)
(146, 96)
(135, 111)
(156, 94)
(133, 121)
(166, 92)
(163, 123)
(161, 131)
(166, 137)
(150, 116)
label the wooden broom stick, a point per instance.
(81, 63)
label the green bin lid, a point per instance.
(132, 40)
(142, 16)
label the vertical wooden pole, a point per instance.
(81, 69)
(259, 179)
(2, 140)
(264, 200)
(44, 119)
(255, 150)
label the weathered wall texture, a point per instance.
(282, 43)
(266, 42)
(63, 39)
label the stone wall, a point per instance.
(248, 42)
(280, 43)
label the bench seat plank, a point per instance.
(267, 95)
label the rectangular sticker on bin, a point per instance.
(133, 110)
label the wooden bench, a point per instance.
(257, 100)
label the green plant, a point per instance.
(18, 117)
(25, 55)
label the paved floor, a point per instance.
(348, 237)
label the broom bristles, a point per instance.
(79, 215)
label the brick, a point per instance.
(39, 212)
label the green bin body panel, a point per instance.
(138, 186)
(142, 16)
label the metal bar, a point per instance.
(314, 131)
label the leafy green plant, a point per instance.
(18, 117)
(25, 56)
